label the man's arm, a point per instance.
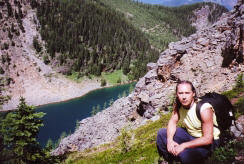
(171, 128)
(207, 128)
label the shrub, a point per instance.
(226, 153)
(239, 82)
(36, 44)
(5, 46)
(119, 80)
(125, 141)
(46, 59)
(1, 70)
(10, 35)
(13, 43)
(103, 82)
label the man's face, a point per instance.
(185, 95)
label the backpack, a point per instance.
(223, 110)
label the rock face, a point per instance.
(238, 130)
(211, 58)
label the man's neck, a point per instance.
(189, 106)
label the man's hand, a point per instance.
(174, 148)
(179, 149)
(171, 145)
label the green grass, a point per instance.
(239, 107)
(235, 93)
(238, 88)
(112, 78)
(78, 77)
(74, 77)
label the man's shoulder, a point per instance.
(205, 106)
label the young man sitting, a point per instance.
(192, 143)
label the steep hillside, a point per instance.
(212, 59)
(22, 70)
(106, 35)
(163, 25)
(90, 37)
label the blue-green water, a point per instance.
(62, 117)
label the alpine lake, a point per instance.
(62, 118)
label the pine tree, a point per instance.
(19, 131)
(50, 144)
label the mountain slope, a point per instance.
(162, 25)
(89, 37)
(23, 71)
(103, 37)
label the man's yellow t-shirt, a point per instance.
(192, 124)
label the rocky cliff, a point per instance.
(211, 58)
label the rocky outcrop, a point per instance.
(101, 128)
(200, 58)
(238, 129)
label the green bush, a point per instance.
(125, 141)
(103, 82)
(36, 44)
(238, 88)
(1, 70)
(239, 82)
(226, 153)
(5, 46)
(119, 80)
(46, 59)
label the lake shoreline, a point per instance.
(53, 90)
(94, 89)
(56, 93)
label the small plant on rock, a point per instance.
(125, 141)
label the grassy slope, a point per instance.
(112, 78)
(141, 146)
(144, 18)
